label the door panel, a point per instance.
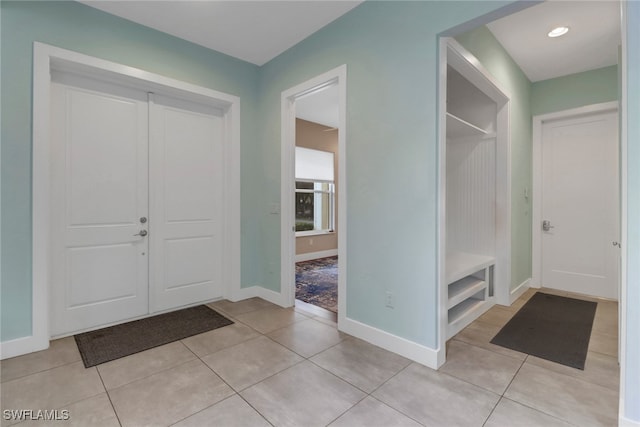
(580, 199)
(187, 192)
(99, 192)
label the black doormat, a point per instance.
(551, 327)
(114, 342)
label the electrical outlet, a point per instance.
(389, 299)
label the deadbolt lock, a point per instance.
(143, 219)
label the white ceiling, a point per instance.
(258, 31)
(591, 43)
(320, 107)
(254, 31)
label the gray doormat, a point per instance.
(551, 327)
(114, 342)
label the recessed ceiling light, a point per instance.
(558, 31)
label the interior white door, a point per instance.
(99, 155)
(187, 181)
(580, 200)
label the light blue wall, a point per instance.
(77, 27)
(484, 46)
(632, 374)
(390, 49)
(575, 90)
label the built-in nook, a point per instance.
(474, 162)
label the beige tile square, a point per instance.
(51, 389)
(497, 315)
(570, 399)
(308, 337)
(512, 414)
(604, 344)
(168, 396)
(598, 369)
(372, 412)
(60, 352)
(606, 319)
(484, 368)
(480, 334)
(241, 307)
(251, 361)
(140, 365)
(269, 319)
(303, 395)
(360, 363)
(434, 398)
(326, 321)
(218, 339)
(231, 412)
(522, 300)
(95, 412)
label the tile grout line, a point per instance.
(109, 397)
(385, 382)
(235, 393)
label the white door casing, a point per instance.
(46, 61)
(580, 199)
(99, 193)
(186, 170)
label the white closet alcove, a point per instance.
(474, 190)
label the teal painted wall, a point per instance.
(390, 49)
(484, 46)
(77, 27)
(575, 90)
(632, 374)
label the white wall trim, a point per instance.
(626, 422)
(404, 347)
(622, 297)
(519, 290)
(441, 239)
(258, 292)
(46, 58)
(337, 76)
(536, 190)
(316, 255)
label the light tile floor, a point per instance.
(291, 367)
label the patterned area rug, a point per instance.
(317, 282)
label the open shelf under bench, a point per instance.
(469, 281)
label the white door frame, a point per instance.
(536, 190)
(47, 58)
(337, 76)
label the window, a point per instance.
(315, 191)
(314, 206)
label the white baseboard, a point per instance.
(260, 292)
(315, 255)
(20, 346)
(519, 290)
(626, 422)
(409, 349)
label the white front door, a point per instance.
(187, 181)
(580, 188)
(137, 191)
(99, 193)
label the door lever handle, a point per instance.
(141, 233)
(546, 225)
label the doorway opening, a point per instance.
(313, 195)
